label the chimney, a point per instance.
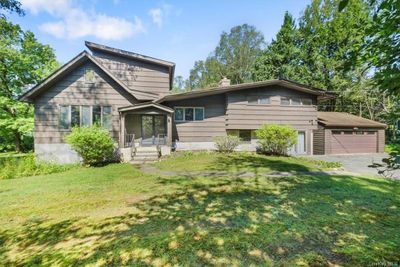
(224, 82)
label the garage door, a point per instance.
(343, 142)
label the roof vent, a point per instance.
(224, 82)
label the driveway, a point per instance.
(357, 162)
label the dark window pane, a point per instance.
(359, 132)
(295, 101)
(96, 115)
(285, 100)
(179, 114)
(107, 118)
(86, 115)
(264, 100)
(159, 125)
(199, 114)
(252, 100)
(348, 132)
(245, 135)
(75, 116)
(188, 114)
(336, 132)
(306, 102)
(64, 117)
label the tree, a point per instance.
(11, 6)
(232, 58)
(281, 59)
(23, 62)
(180, 84)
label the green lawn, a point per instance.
(241, 161)
(116, 215)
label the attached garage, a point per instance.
(343, 133)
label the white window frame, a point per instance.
(194, 114)
(80, 115)
(259, 97)
(290, 101)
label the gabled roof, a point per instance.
(130, 55)
(322, 94)
(342, 119)
(70, 66)
(146, 105)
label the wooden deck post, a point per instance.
(122, 131)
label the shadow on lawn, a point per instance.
(263, 221)
(254, 162)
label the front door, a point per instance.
(153, 129)
(301, 143)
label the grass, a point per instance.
(116, 215)
(20, 165)
(241, 161)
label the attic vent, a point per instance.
(89, 75)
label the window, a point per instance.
(75, 116)
(259, 100)
(336, 132)
(295, 101)
(189, 114)
(107, 118)
(371, 133)
(359, 132)
(245, 135)
(96, 115)
(89, 75)
(179, 114)
(64, 117)
(348, 132)
(285, 100)
(86, 117)
(199, 114)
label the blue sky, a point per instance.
(178, 31)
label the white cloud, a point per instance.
(160, 14)
(75, 22)
(157, 16)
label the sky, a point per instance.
(177, 31)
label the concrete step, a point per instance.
(137, 161)
(146, 153)
(146, 149)
(139, 157)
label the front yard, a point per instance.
(118, 215)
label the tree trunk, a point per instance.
(18, 142)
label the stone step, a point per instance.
(146, 152)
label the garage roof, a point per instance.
(342, 119)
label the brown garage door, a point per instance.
(343, 142)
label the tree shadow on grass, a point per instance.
(227, 221)
(256, 163)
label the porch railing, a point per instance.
(129, 140)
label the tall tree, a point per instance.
(281, 58)
(233, 58)
(11, 6)
(23, 62)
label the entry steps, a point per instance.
(145, 154)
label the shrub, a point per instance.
(94, 144)
(276, 139)
(26, 165)
(227, 143)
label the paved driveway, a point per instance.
(357, 162)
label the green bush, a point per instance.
(26, 165)
(276, 139)
(94, 144)
(226, 144)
